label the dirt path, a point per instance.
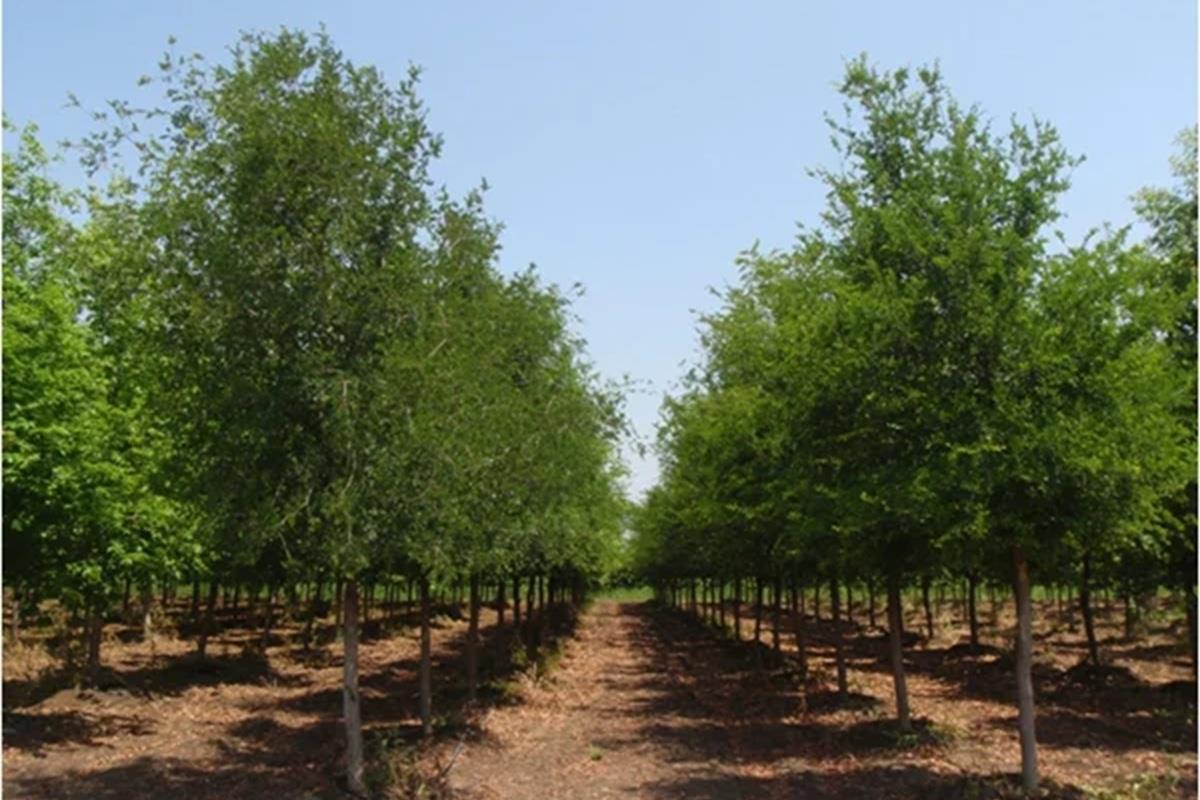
(649, 703)
(630, 713)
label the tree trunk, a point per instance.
(835, 609)
(758, 604)
(871, 602)
(1190, 598)
(801, 647)
(269, 616)
(94, 632)
(737, 609)
(896, 647)
(1085, 606)
(1130, 616)
(16, 616)
(473, 640)
(194, 611)
(500, 603)
(925, 581)
(125, 599)
(721, 602)
(972, 585)
(351, 705)
(850, 603)
(517, 607)
(1029, 765)
(237, 592)
(776, 591)
(817, 601)
(207, 625)
(426, 667)
(147, 602)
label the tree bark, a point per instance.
(1025, 712)
(925, 581)
(801, 647)
(147, 602)
(500, 602)
(351, 702)
(972, 586)
(426, 668)
(871, 602)
(1085, 606)
(516, 607)
(835, 609)
(269, 616)
(16, 616)
(1190, 598)
(896, 648)
(473, 640)
(776, 591)
(207, 624)
(737, 609)
(95, 633)
(194, 612)
(817, 601)
(758, 604)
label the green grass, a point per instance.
(625, 594)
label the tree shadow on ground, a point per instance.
(895, 783)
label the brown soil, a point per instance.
(651, 703)
(645, 702)
(241, 724)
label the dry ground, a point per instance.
(645, 702)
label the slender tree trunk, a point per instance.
(925, 581)
(871, 602)
(269, 617)
(516, 607)
(817, 601)
(1190, 598)
(426, 668)
(1085, 606)
(16, 616)
(1025, 712)
(850, 603)
(896, 646)
(1130, 616)
(473, 640)
(207, 625)
(801, 647)
(237, 592)
(95, 633)
(835, 603)
(972, 585)
(147, 603)
(125, 599)
(351, 702)
(758, 604)
(776, 591)
(737, 609)
(500, 603)
(721, 602)
(194, 611)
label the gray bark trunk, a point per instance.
(351, 702)
(426, 668)
(896, 648)
(1025, 711)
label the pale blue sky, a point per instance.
(637, 147)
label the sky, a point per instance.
(635, 147)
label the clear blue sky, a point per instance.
(637, 147)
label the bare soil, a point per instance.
(645, 702)
(650, 702)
